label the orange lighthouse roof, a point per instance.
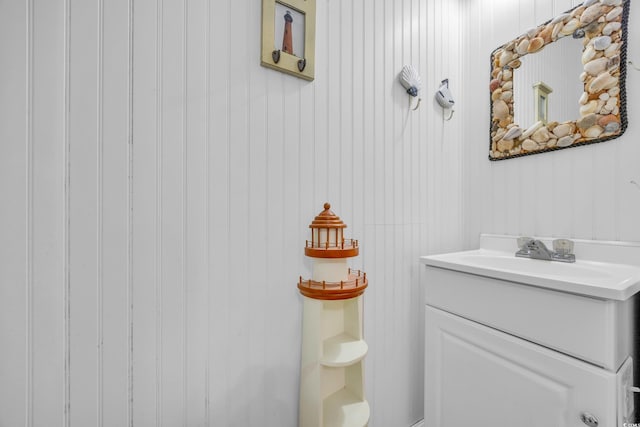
(327, 238)
(327, 219)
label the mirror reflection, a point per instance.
(562, 79)
(561, 84)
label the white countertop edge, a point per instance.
(540, 282)
(623, 253)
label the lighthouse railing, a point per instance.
(343, 244)
(357, 279)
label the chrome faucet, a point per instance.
(536, 249)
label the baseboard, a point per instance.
(419, 424)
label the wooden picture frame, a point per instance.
(288, 36)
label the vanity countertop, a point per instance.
(606, 270)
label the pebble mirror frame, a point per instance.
(602, 24)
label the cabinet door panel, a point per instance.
(475, 375)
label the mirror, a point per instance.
(561, 84)
(534, 83)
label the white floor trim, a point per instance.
(419, 424)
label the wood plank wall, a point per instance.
(156, 188)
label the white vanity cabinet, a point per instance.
(524, 342)
(478, 376)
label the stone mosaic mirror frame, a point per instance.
(602, 24)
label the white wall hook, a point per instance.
(450, 115)
(443, 95)
(445, 99)
(417, 104)
(411, 81)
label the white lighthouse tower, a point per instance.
(333, 347)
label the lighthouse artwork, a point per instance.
(287, 38)
(289, 30)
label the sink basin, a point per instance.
(500, 261)
(607, 270)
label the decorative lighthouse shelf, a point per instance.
(333, 348)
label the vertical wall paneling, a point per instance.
(130, 219)
(344, 125)
(388, 134)
(366, 197)
(605, 162)
(257, 238)
(288, 303)
(162, 183)
(432, 76)
(85, 222)
(418, 213)
(357, 87)
(49, 215)
(28, 404)
(423, 220)
(159, 213)
(333, 86)
(196, 260)
(16, 223)
(185, 150)
(145, 214)
(239, 289)
(207, 211)
(368, 77)
(321, 101)
(274, 223)
(172, 205)
(465, 18)
(99, 220)
(114, 333)
(220, 375)
(629, 194)
(66, 229)
(581, 199)
(478, 207)
(379, 137)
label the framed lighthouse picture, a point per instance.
(288, 36)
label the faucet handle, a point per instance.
(563, 247)
(524, 241)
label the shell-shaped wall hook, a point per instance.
(410, 79)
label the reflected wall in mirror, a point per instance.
(561, 84)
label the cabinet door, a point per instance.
(477, 376)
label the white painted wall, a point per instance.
(156, 187)
(157, 184)
(581, 192)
